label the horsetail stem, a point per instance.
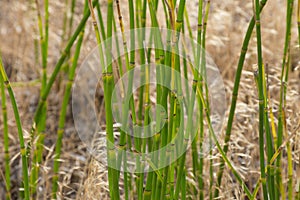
(289, 159)
(210, 128)
(6, 140)
(4, 80)
(261, 99)
(282, 101)
(144, 89)
(199, 78)
(38, 151)
(72, 9)
(101, 23)
(63, 112)
(130, 64)
(235, 95)
(180, 179)
(168, 129)
(108, 88)
(45, 93)
(159, 57)
(203, 78)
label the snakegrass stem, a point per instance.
(6, 140)
(45, 93)
(4, 80)
(261, 98)
(283, 88)
(63, 112)
(235, 96)
(38, 151)
(227, 161)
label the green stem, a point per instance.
(152, 180)
(147, 191)
(175, 63)
(72, 9)
(199, 80)
(235, 96)
(108, 81)
(100, 18)
(283, 88)
(227, 161)
(45, 93)
(290, 163)
(6, 140)
(203, 78)
(62, 116)
(4, 80)
(38, 151)
(261, 99)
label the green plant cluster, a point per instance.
(169, 182)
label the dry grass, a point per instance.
(85, 178)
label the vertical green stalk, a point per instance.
(147, 191)
(183, 185)
(38, 151)
(235, 96)
(129, 91)
(178, 26)
(203, 78)
(288, 145)
(35, 40)
(261, 99)
(45, 93)
(125, 109)
(283, 88)
(62, 116)
(167, 131)
(141, 37)
(4, 80)
(140, 176)
(120, 69)
(269, 142)
(188, 24)
(6, 140)
(185, 64)
(108, 81)
(101, 23)
(71, 19)
(64, 37)
(63, 112)
(168, 183)
(141, 7)
(199, 79)
(130, 64)
(72, 9)
(289, 160)
(159, 57)
(64, 28)
(226, 160)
